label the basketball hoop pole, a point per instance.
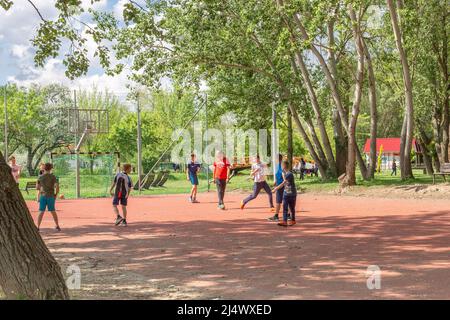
(77, 154)
(139, 143)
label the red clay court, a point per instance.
(173, 249)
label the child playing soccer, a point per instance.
(279, 192)
(258, 174)
(221, 176)
(289, 195)
(122, 186)
(48, 189)
(192, 176)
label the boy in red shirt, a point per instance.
(221, 176)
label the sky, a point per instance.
(17, 28)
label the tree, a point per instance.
(27, 268)
(408, 122)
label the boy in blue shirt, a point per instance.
(289, 195)
(279, 192)
(193, 168)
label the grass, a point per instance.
(97, 186)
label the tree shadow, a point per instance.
(319, 258)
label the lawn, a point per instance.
(98, 185)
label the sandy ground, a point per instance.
(176, 250)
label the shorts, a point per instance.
(47, 203)
(279, 195)
(194, 179)
(123, 200)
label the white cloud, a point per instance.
(19, 50)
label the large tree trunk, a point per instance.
(373, 113)
(350, 176)
(309, 145)
(27, 269)
(424, 143)
(340, 142)
(406, 168)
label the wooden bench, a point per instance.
(31, 185)
(445, 171)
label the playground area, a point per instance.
(172, 249)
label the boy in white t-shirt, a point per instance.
(258, 174)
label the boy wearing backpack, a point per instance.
(120, 191)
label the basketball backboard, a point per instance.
(95, 121)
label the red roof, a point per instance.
(391, 145)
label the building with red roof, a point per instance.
(391, 150)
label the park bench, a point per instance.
(158, 179)
(136, 185)
(31, 185)
(148, 182)
(444, 171)
(164, 178)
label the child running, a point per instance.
(279, 192)
(122, 186)
(48, 189)
(289, 195)
(258, 174)
(221, 176)
(192, 176)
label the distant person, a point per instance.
(279, 193)
(221, 177)
(258, 174)
(394, 168)
(122, 187)
(16, 170)
(302, 168)
(48, 189)
(289, 195)
(193, 168)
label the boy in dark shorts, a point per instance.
(120, 190)
(48, 189)
(193, 168)
(279, 192)
(221, 176)
(289, 195)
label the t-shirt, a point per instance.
(47, 183)
(289, 186)
(193, 167)
(221, 169)
(279, 175)
(122, 186)
(15, 170)
(259, 172)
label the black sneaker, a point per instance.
(289, 217)
(58, 228)
(118, 220)
(124, 223)
(274, 218)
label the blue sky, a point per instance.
(18, 26)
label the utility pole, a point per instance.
(206, 138)
(77, 152)
(6, 124)
(139, 143)
(274, 146)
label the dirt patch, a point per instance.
(176, 250)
